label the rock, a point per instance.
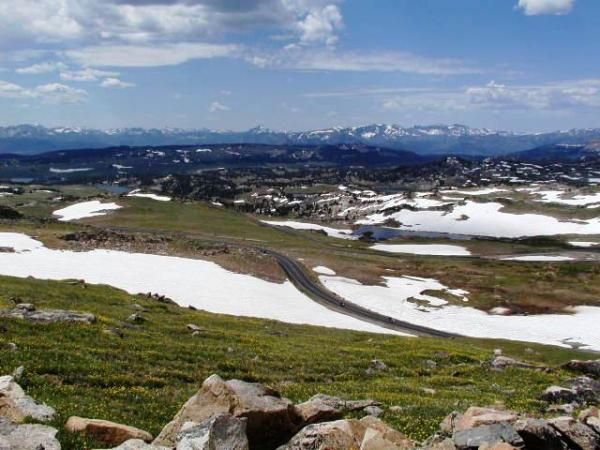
(497, 352)
(271, 418)
(136, 318)
(379, 436)
(28, 307)
(396, 409)
(375, 366)
(430, 364)
(340, 434)
(16, 406)
(448, 425)
(476, 417)
(374, 411)
(576, 434)
(556, 394)
(497, 446)
(587, 390)
(48, 315)
(105, 431)
(439, 443)
(219, 432)
(504, 362)
(194, 328)
(315, 410)
(342, 405)
(428, 391)
(27, 437)
(138, 444)
(473, 438)
(565, 409)
(539, 435)
(587, 413)
(12, 347)
(18, 373)
(586, 367)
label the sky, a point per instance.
(522, 65)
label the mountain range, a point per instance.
(430, 139)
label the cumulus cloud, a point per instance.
(86, 74)
(321, 25)
(539, 7)
(148, 55)
(44, 67)
(216, 107)
(115, 83)
(49, 93)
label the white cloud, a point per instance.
(216, 107)
(44, 67)
(539, 7)
(49, 93)
(86, 74)
(300, 58)
(115, 83)
(321, 25)
(148, 55)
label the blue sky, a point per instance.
(525, 65)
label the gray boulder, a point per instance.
(340, 434)
(587, 390)
(591, 368)
(576, 434)
(539, 435)
(559, 394)
(28, 312)
(271, 419)
(27, 437)
(473, 438)
(16, 406)
(219, 432)
(138, 444)
(504, 362)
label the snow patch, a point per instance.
(82, 210)
(423, 249)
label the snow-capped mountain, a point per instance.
(429, 139)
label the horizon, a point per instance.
(295, 65)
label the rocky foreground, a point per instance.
(237, 415)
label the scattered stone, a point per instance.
(271, 418)
(396, 409)
(476, 417)
(18, 373)
(375, 366)
(430, 364)
(16, 406)
(219, 432)
(114, 331)
(556, 394)
(136, 318)
(576, 433)
(105, 431)
(194, 328)
(12, 347)
(374, 411)
(28, 307)
(48, 315)
(27, 437)
(539, 435)
(504, 362)
(473, 438)
(586, 367)
(428, 391)
(229, 350)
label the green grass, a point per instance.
(143, 378)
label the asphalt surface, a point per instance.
(298, 276)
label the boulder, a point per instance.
(374, 411)
(16, 406)
(27, 437)
(342, 405)
(219, 432)
(194, 328)
(271, 418)
(340, 434)
(439, 443)
(138, 444)
(587, 390)
(539, 435)
(105, 431)
(48, 315)
(576, 434)
(379, 436)
(504, 362)
(315, 410)
(591, 368)
(476, 416)
(498, 446)
(558, 394)
(473, 438)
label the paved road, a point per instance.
(297, 275)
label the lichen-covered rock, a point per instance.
(315, 410)
(586, 367)
(558, 394)
(476, 416)
(504, 362)
(576, 433)
(340, 434)
(47, 315)
(473, 438)
(379, 436)
(16, 406)
(105, 431)
(219, 432)
(271, 418)
(538, 434)
(27, 437)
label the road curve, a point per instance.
(297, 275)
